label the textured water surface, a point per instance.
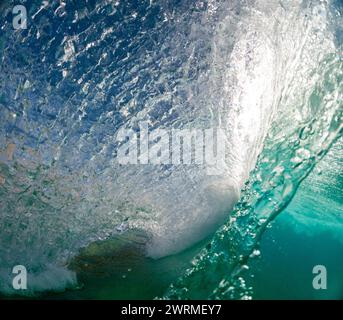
(268, 73)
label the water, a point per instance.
(269, 73)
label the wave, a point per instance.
(268, 73)
(308, 122)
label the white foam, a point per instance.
(52, 278)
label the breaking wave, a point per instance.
(269, 73)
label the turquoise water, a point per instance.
(301, 237)
(268, 73)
